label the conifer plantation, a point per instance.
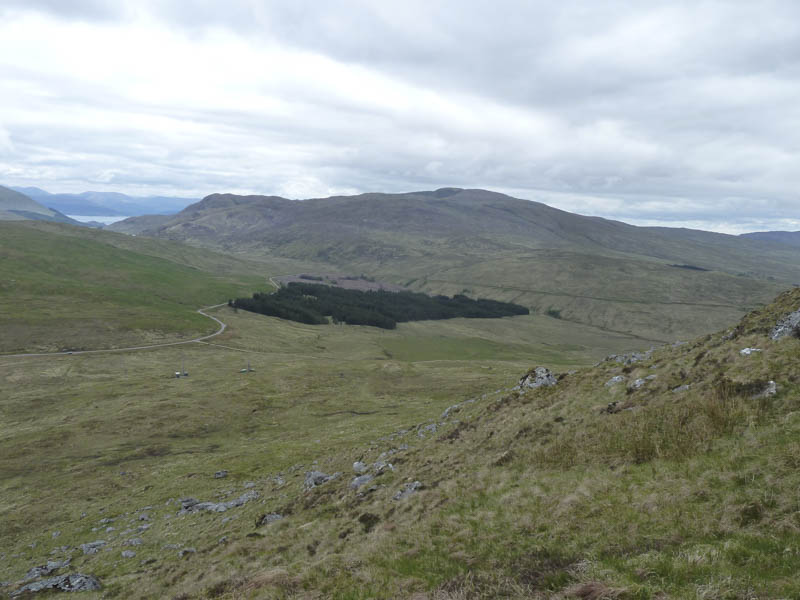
(312, 303)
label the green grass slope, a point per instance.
(676, 481)
(64, 287)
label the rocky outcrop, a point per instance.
(357, 482)
(92, 547)
(315, 478)
(47, 569)
(74, 582)
(536, 378)
(190, 505)
(641, 382)
(630, 358)
(788, 325)
(268, 518)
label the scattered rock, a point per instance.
(55, 534)
(788, 325)
(614, 380)
(407, 490)
(638, 383)
(359, 467)
(770, 390)
(748, 351)
(171, 546)
(536, 378)
(268, 518)
(133, 542)
(629, 359)
(190, 505)
(357, 482)
(144, 517)
(450, 410)
(144, 527)
(44, 570)
(681, 388)
(128, 554)
(92, 547)
(187, 503)
(315, 478)
(381, 466)
(427, 429)
(223, 540)
(186, 552)
(220, 474)
(249, 485)
(106, 521)
(74, 582)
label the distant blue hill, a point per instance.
(792, 238)
(107, 204)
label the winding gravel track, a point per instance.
(222, 327)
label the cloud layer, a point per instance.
(677, 113)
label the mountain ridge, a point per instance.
(111, 204)
(791, 238)
(434, 213)
(16, 206)
(590, 270)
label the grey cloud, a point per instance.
(73, 9)
(659, 110)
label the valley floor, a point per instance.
(214, 485)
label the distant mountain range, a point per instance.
(657, 282)
(379, 227)
(782, 237)
(15, 206)
(106, 204)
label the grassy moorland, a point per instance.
(64, 287)
(580, 490)
(112, 433)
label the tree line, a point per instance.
(313, 303)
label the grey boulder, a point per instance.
(536, 378)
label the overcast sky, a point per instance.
(673, 113)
